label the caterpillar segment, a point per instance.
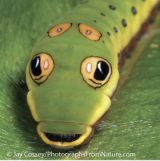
(73, 71)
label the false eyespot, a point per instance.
(96, 71)
(41, 67)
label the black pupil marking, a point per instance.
(102, 71)
(124, 23)
(112, 7)
(35, 66)
(62, 137)
(134, 10)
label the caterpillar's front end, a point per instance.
(73, 71)
(71, 77)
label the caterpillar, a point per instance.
(73, 71)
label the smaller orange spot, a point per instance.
(59, 29)
(89, 32)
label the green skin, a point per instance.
(65, 96)
(65, 103)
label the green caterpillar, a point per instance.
(73, 71)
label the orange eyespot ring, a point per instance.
(59, 29)
(41, 66)
(89, 32)
(95, 71)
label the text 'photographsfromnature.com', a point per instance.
(101, 154)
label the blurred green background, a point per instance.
(132, 124)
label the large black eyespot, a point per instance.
(35, 66)
(96, 71)
(102, 70)
(41, 67)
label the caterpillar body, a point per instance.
(73, 71)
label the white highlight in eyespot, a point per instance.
(89, 68)
(99, 67)
(37, 63)
(46, 64)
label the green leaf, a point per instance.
(132, 123)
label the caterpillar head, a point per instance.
(70, 77)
